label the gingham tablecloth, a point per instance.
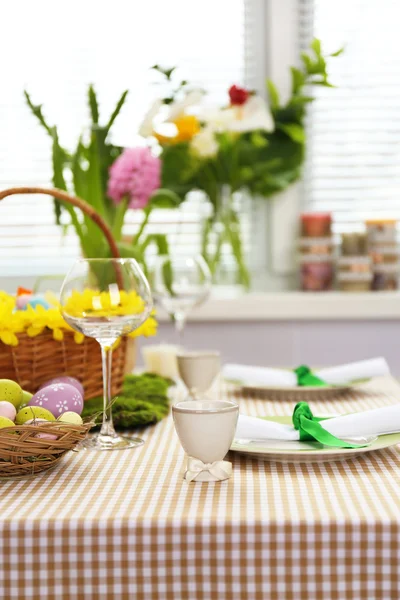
(125, 525)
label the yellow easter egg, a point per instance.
(26, 396)
(70, 417)
(33, 412)
(10, 391)
(4, 422)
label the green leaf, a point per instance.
(258, 139)
(298, 79)
(316, 46)
(273, 94)
(37, 111)
(338, 52)
(294, 131)
(93, 104)
(129, 251)
(94, 190)
(116, 112)
(119, 217)
(307, 61)
(163, 198)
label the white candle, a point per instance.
(161, 359)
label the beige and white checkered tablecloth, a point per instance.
(125, 525)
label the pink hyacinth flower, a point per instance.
(136, 173)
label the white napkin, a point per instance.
(377, 421)
(347, 373)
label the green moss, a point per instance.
(143, 401)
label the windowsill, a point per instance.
(299, 306)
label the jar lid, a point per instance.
(346, 276)
(391, 268)
(354, 260)
(381, 222)
(385, 250)
(306, 242)
(316, 217)
(315, 258)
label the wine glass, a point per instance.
(105, 299)
(179, 284)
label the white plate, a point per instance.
(298, 392)
(286, 451)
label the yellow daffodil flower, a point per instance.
(34, 321)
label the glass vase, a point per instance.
(222, 242)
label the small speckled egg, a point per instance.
(26, 396)
(7, 410)
(66, 379)
(70, 417)
(58, 398)
(33, 412)
(4, 422)
(10, 391)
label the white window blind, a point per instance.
(353, 166)
(54, 50)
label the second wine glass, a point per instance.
(179, 284)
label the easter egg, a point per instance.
(26, 396)
(7, 410)
(10, 391)
(58, 398)
(47, 436)
(43, 436)
(66, 379)
(33, 412)
(36, 422)
(4, 422)
(33, 300)
(70, 417)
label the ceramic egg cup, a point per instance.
(206, 429)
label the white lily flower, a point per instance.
(254, 114)
(178, 107)
(218, 119)
(204, 143)
(146, 126)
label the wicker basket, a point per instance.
(36, 360)
(22, 453)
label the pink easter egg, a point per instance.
(22, 301)
(7, 410)
(66, 379)
(46, 436)
(43, 436)
(58, 398)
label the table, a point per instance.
(125, 525)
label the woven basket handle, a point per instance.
(75, 201)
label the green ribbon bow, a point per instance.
(305, 377)
(310, 429)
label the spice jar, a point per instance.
(381, 231)
(316, 273)
(318, 225)
(385, 277)
(354, 244)
(354, 273)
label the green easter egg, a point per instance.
(26, 396)
(4, 422)
(33, 412)
(10, 391)
(70, 417)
